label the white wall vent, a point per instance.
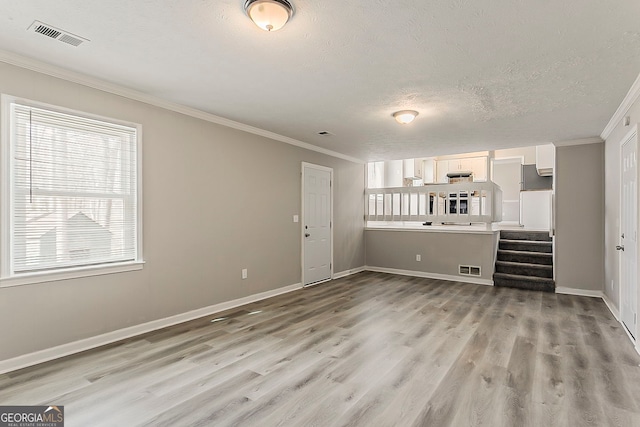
(56, 33)
(469, 270)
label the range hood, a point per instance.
(459, 176)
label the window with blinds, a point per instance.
(72, 190)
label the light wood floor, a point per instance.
(368, 350)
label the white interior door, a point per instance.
(629, 234)
(316, 224)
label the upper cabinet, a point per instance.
(477, 165)
(412, 168)
(545, 159)
(442, 169)
(429, 171)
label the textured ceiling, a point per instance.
(483, 74)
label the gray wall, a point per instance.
(441, 252)
(579, 198)
(216, 200)
(612, 205)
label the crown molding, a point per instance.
(579, 141)
(631, 97)
(95, 83)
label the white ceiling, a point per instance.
(483, 74)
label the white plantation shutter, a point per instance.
(73, 191)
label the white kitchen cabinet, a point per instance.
(477, 165)
(479, 168)
(463, 164)
(412, 168)
(442, 169)
(429, 171)
(545, 159)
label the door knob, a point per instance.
(619, 248)
(307, 234)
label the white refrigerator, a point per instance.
(535, 210)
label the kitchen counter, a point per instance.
(412, 226)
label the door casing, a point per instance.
(303, 218)
(631, 137)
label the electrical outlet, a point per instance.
(296, 218)
(245, 274)
(418, 257)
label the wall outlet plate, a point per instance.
(245, 273)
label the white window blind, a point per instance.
(73, 195)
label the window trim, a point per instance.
(7, 277)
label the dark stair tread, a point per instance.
(525, 257)
(525, 235)
(525, 246)
(524, 261)
(523, 278)
(524, 282)
(525, 253)
(528, 242)
(525, 265)
(524, 269)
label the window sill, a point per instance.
(71, 273)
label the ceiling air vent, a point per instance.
(56, 33)
(74, 41)
(47, 31)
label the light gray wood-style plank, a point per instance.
(371, 349)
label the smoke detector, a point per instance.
(56, 33)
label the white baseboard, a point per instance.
(616, 313)
(48, 354)
(346, 273)
(465, 279)
(337, 276)
(311, 285)
(611, 306)
(579, 292)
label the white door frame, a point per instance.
(510, 159)
(624, 140)
(302, 219)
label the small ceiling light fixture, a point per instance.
(270, 15)
(405, 116)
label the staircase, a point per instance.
(525, 261)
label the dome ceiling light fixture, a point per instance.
(405, 116)
(270, 15)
